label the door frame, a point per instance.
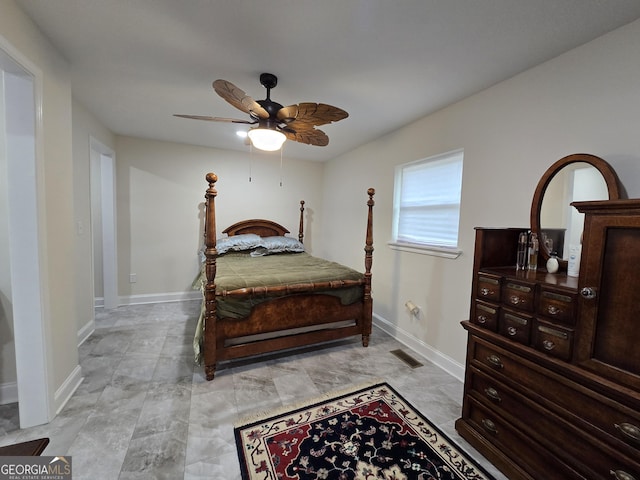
(103, 159)
(28, 247)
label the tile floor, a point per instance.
(144, 411)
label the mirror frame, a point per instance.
(607, 172)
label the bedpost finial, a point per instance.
(371, 191)
(211, 178)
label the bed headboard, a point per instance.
(264, 228)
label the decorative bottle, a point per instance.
(521, 260)
(533, 252)
(573, 268)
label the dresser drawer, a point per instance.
(584, 453)
(486, 388)
(529, 456)
(488, 287)
(515, 325)
(612, 422)
(485, 315)
(553, 340)
(518, 295)
(557, 305)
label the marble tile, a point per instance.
(213, 408)
(206, 445)
(178, 345)
(145, 411)
(159, 455)
(174, 369)
(100, 447)
(121, 399)
(221, 467)
(295, 387)
(9, 419)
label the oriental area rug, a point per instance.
(366, 434)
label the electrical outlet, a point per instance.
(133, 278)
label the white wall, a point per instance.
(160, 197)
(585, 101)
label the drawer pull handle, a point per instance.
(485, 292)
(631, 432)
(548, 345)
(516, 300)
(621, 475)
(553, 310)
(482, 319)
(495, 361)
(489, 426)
(512, 331)
(492, 393)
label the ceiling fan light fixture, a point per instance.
(266, 139)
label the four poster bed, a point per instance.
(263, 293)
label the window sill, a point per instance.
(433, 250)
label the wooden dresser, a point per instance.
(552, 385)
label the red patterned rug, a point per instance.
(369, 433)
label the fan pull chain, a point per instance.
(250, 159)
(281, 148)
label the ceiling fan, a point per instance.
(276, 123)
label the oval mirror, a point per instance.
(578, 177)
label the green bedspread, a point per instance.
(236, 270)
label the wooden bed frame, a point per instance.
(295, 306)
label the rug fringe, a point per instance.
(258, 416)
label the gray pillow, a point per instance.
(246, 241)
(270, 245)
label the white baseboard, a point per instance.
(67, 389)
(443, 361)
(154, 298)
(8, 393)
(86, 331)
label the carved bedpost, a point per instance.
(301, 228)
(211, 253)
(368, 262)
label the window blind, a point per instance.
(428, 210)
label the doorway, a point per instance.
(21, 91)
(103, 225)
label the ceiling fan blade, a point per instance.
(239, 99)
(215, 119)
(310, 136)
(311, 113)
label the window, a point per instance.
(426, 207)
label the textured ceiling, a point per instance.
(135, 63)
